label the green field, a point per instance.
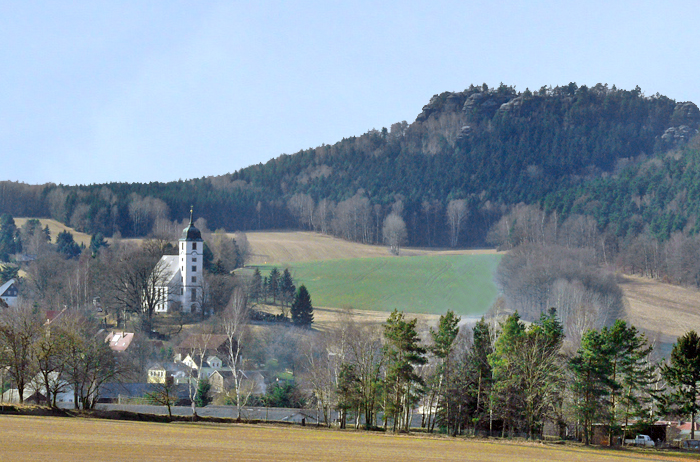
(419, 284)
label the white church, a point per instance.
(183, 280)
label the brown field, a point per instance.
(658, 308)
(277, 247)
(75, 439)
(55, 227)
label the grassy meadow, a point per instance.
(75, 439)
(417, 284)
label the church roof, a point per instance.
(171, 268)
(191, 233)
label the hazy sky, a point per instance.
(92, 91)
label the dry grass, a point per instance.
(662, 310)
(73, 439)
(274, 248)
(55, 227)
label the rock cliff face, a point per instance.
(685, 120)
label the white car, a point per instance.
(644, 440)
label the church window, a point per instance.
(194, 246)
(194, 260)
(194, 268)
(194, 278)
(182, 291)
(194, 294)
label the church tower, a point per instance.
(191, 268)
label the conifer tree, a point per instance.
(302, 311)
(287, 287)
(683, 377)
(403, 353)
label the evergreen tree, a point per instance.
(97, 242)
(273, 281)
(203, 398)
(9, 237)
(66, 245)
(682, 375)
(630, 376)
(403, 353)
(256, 286)
(443, 343)
(287, 287)
(302, 311)
(591, 380)
(8, 272)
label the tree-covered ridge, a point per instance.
(490, 147)
(661, 194)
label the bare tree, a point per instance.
(164, 394)
(198, 351)
(456, 213)
(302, 207)
(139, 286)
(235, 323)
(19, 327)
(394, 232)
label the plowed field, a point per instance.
(75, 439)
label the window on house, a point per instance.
(194, 268)
(194, 294)
(194, 278)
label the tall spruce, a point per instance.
(443, 343)
(403, 353)
(302, 310)
(591, 381)
(682, 374)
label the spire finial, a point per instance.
(191, 210)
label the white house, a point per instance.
(9, 292)
(183, 280)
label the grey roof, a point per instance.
(171, 269)
(110, 391)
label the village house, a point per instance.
(9, 292)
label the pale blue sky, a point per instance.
(92, 91)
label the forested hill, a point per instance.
(476, 153)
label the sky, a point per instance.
(141, 91)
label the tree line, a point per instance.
(503, 378)
(467, 159)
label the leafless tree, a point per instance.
(302, 208)
(198, 352)
(138, 286)
(19, 328)
(394, 232)
(164, 394)
(456, 213)
(235, 323)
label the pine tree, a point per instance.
(287, 287)
(591, 384)
(256, 286)
(274, 284)
(403, 353)
(9, 237)
(683, 377)
(302, 310)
